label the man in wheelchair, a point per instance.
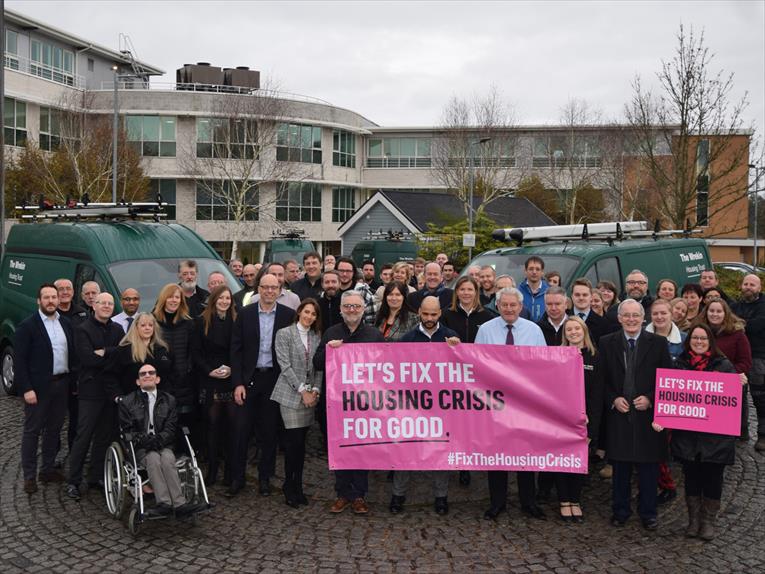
(149, 417)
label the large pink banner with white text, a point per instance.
(428, 406)
(698, 401)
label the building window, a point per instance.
(50, 128)
(343, 148)
(223, 200)
(15, 132)
(296, 142)
(11, 49)
(497, 152)
(91, 65)
(52, 63)
(298, 202)
(556, 151)
(702, 183)
(165, 188)
(343, 204)
(235, 138)
(151, 136)
(399, 152)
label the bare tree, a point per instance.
(73, 157)
(689, 136)
(475, 146)
(235, 161)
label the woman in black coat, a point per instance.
(172, 314)
(569, 485)
(142, 344)
(703, 455)
(211, 352)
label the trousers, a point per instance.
(163, 476)
(440, 482)
(46, 418)
(95, 423)
(648, 480)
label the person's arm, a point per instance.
(594, 397)
(21, 375)
(283, 346)
(167, 435)
(237, 343)
(320, 357)
(743, 359)
(755, 324)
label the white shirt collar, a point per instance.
(45, 317)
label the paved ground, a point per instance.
(47, 532)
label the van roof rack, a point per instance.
(84, 210)
(390, 235)
(609, 231)
(288, 233)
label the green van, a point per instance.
(116, 254)
(284, 249)
(381, 251)
(682, 260)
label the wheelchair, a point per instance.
(124, 480)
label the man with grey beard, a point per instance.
(194, 294)
(351, 485)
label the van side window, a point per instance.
(608, 270)
(84, 274)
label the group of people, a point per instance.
(250, 364)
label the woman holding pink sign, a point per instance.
(703, 455)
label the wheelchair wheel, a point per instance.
(115, 480)
(133, 521)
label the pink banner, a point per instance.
(428, 406)
(698, 401)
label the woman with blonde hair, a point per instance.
(569, 485)
(402, 272)
(680, 313)
(142, 344)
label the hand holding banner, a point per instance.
(428, 406)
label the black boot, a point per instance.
(301, 497)
(290, 492)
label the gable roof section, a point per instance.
(378, 198)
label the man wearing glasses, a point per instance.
(629, 359)
(349, 280)
(351, 485)
(254, 371)
(636, 284)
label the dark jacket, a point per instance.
(96, 381)
(466, 326)
(399, 328)
(735, 347)
(444, 295)
(197, 302)
(630, 435)
(33, 363)
(330, 311)
(362, 334)
(125, 369)
(76, 314)
(417, 336)
(702, 446)
(245, 343)
(211, 350)
(178, 338)
(596, 325)
(593, 394)
(553, 338)
(240, 295)
(304, 289)
(134, 419)
(753, 312)
(612, 315)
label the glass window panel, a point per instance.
(294, 135)
(204, 212)
(316, 199)
(9, 136)
(294, 154)
(36, 51)
(167, 129)
(317, 156)
(281, 213)
(45, 119)
(55, 122)
(540, 147)
(167, 149)
(305, 136)
(133, 125)
(375, 148)
(10, 114)
(335, 141)
(281, 153)
(46, 54)
(151, 149)
(58, 58)
(21, 114)
(220, 131)
(204, 150)
(305, 155)
(316, 214)
(68, 62)
(151, 128)
(407, 147)
(316, 137)
(203, 130)
(44, 141)
(11, 42)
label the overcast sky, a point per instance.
(397, 63)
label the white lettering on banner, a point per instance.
(415, 372)
(547, 460)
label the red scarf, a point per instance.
(700, 362)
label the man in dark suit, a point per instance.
(254, 371)
(249, 278)
(434, 287)
(629, 359)
(581, 296)
(44, 360)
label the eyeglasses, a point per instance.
(699, 338)
(269, 287)
(352, 306)
(637, 282)
(632, 315)
(131, 298)
(146, 373)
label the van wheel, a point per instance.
(6, 370)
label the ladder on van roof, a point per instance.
(609, 231)
(85, 210)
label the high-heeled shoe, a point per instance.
(565, 507)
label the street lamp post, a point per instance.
(757, 171)
(471, 145)
(115, 131)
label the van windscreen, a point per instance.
(148, 276)
(513, 264)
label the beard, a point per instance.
(188, 285)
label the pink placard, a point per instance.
(698, 401)
(428, 406)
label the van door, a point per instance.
(82, 275)
(606, 269)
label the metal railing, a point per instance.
(138, 84)
(58, 75)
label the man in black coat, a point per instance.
(254, 371)
(249, 279)
(188, 277)
(629, 359)
(96, 341)
(751, 308)
(581, 296)
(310, 284)
(329, 302)
(44, 361)
(433, 287)
(351, 485)
(554, 318)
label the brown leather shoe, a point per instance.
(360, 506)
(51, 476)
(340, 505)
(30, 486)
